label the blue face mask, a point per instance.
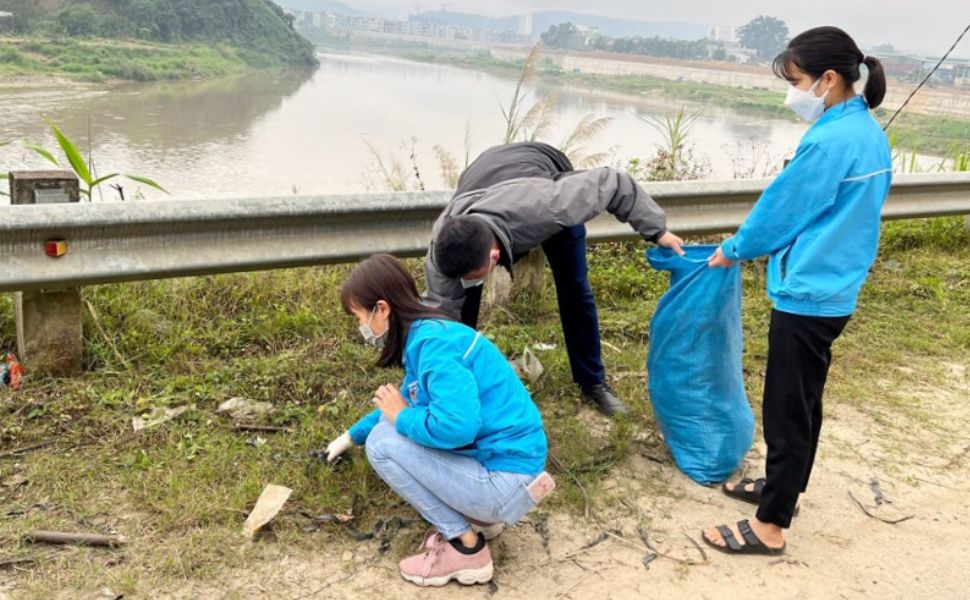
(371, 338)
(471, 283)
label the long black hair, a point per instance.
(383, 277)
(830, 49)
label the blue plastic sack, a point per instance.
(694, 365)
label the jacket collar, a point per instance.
(850, 106)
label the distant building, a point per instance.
(525, 24)
(722, 44)
(723, 34)
(901, 66)
(341, 24)
(954, 72)
(961, 76)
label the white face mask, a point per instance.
(473, 283)
(370, 338)
(805, 103)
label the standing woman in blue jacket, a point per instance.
(818, 222)
(461, 440)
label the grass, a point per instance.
(929, 134)
(180, 492)
(100, 60)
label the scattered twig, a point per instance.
(562, 469)
(696, 545)
(26, 449)
(602, 537)
(13, 562)
(76, 539)
(327, 518)
(653, 458)
(616, 536)
(611, 347)
(877, 517)
(104, 333)
(262, 429)
(645, 536)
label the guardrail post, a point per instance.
(531, 271)
(49, 324)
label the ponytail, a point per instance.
(875, 83)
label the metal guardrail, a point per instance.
(150, 240)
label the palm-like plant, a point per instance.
(83, 168)
(674, 131)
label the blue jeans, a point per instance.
(447, 488)
(566, 253)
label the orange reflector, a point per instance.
(55, 248)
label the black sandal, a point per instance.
(752, 543)
(741, 493)
(751, 497)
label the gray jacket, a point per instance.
(524, 213)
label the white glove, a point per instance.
(339, 446)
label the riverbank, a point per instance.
(926, 134)
(24, 61)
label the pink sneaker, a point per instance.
(440, 563)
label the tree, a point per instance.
(560, 36)
(25, 16)
(767, 35)
(78, 19)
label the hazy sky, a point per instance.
(923, 26)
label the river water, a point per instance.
(272, 133)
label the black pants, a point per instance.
(566, 253)
(799, 355)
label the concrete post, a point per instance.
(530, 273)
(50, 338)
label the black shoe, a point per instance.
(605, 400)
